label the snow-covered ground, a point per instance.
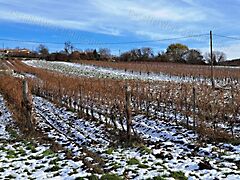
(101, 72)
(21, 159)
(5, 119)
(168, 151)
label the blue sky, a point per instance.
(95, 21)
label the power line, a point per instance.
(228, 37)
(104, 43)
(27, 41)
(151, 41)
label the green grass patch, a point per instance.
(48, 152)
(143, 166)
(39, 157)
(54, 161)
(11, 154)
(110, 151)
(13, 133)
(158, 164)
(133, 161)
(32, 148)
(145, 150)
(79, 178)
(116, 166)
(110, 177)
(92, 177)
(158, 178)
(179, 175)
(22, 152)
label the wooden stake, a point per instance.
(128, 112)
(27, 105)
(194, 108)
(211, 52)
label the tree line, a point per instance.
(176, 53)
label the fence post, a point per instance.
(128, 111)
(27, 105)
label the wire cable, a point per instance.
(228, 37)
(104, 43)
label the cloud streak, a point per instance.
(139, 19)
(109, 17)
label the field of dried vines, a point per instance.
(120, 124)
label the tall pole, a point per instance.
(211, 53)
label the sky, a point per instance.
(95, 24)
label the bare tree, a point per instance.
(43, 50)
(218, 57)
(68, 47)
(104, 53)
(147, 53)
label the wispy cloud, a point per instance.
(143, 19)
(110, 17)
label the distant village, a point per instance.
(15, 52)
(65, 55)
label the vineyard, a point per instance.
(172, 69)
(126, 121)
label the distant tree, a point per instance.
(104, 53)
(68, 47)
(74, 55)
(218, 57)
(61, 57)
(146, 53)
(162, 57)
(51, 57)
(175, 52)
(193, 57)
(135, 54)
(126, 56)
(43, 51)
(96, 55)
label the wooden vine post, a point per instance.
(27, 106)
(194, 108)
(128, 111)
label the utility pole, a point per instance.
(211, 53)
